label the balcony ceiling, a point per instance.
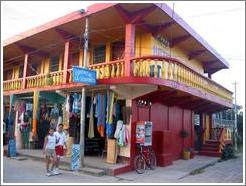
(107, 25)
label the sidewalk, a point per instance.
(94, 162)
(172, 173)
(179, 169)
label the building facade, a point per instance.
(149, 62)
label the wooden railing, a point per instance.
(105, 70)
(109, 69)
(175, 70)
(14, 84)
(150, 66)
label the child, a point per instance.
(49, 151)
(60, 146)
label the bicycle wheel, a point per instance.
(152, 160)
(139, 164)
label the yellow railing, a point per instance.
(15, 84)
(109, 69)
(53, 78)
(228, 134)
(104, 70)
(172, 69)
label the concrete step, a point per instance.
(210, 145)
(212, 142)
(92, 171)
(214, 149)
(210, 153)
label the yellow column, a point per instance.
(81, 58)
(108, 52)
(60, 62)
(35, 110)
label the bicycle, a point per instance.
(145, 157)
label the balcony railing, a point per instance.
(109, 69)
(105, 70)
(53, 78)
(172, 69)
(165, 68)
(15, 84)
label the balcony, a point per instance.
(167, 68)
(150, 68)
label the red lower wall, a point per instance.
(167, 124)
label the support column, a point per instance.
(108, 52)
(25, 71)
(81, 58)
(66, 57)
(35, 111)
(129, 47)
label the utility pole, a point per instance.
(235, 114)
(82, 113)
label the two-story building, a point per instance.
(150, 64)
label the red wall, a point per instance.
(167, 124)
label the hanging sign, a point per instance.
(75, 158)
(83, 75)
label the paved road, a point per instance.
(29, 171)
(230, 171)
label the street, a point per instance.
(29, 171)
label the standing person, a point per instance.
(60, 146)
(49, 151)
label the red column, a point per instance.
(210, 125)
(25, 71)
(66, 56)
(129, 47)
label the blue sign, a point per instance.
(12, 148)
(83, 75)
(75, 160)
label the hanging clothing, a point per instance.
(91, 121)
(67, 106)
(121, 134)
(101, 113)
(111, 104)
(71, 99)
(72, 125)
(119, 126)
(76, 103)
(43, 112)
(54, 112)
(22, 107)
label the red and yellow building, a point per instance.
(143, 52)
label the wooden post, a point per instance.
(35, 110)
(129, 47)
(81, 57)
(25, 71)
(108, 52)
(66, 57)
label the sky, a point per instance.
(220, 23)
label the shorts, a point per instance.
(59, 150)
(50, 153)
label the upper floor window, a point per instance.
(8, 75)
(33, 69)
(74, 59)
(21, 69)
(118, 50)
(99, 54)
(54, 64)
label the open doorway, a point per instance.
(198, 131)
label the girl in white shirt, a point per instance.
(49, 151)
